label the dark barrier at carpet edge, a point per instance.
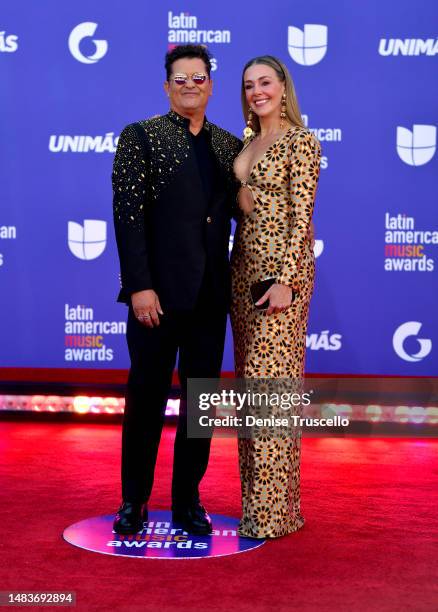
(277, 408)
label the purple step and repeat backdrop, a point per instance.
(74, 74)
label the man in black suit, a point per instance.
(173, 200)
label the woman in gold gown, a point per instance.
(278, 170)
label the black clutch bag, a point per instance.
(259, 289)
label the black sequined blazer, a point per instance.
(165, 229)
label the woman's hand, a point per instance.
(279, 296)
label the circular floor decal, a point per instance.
(159, 538)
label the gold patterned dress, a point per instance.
(273, 241)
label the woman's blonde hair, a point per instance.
(292, 108)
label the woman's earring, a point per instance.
(248, 131)
(283, 110)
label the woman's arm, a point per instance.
(305, 158)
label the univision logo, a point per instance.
(416, 148)
(77, 35)
(87, 241)
(408, 330)
(308, 46)
(408, 46)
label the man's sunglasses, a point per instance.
(181, 79)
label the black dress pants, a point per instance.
(199, 335)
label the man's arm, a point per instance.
(129, 198)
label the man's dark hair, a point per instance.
(189, 51)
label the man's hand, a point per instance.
(279, 296)
(146, 306)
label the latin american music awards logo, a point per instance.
(160, 538)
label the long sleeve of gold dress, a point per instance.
(273, 240)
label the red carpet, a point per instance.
(368, 543)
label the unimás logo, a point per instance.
(408, 330)
(416, 147)
(87, 241)
(308, 46)
(324, 341)
(408, 46)
(77, 35)
(83, 143)
(8, 43)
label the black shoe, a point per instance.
(193, 519)
(130, 518)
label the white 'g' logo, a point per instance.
(307, 47)
(411, 328)
(81, 31)
(417, 147)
